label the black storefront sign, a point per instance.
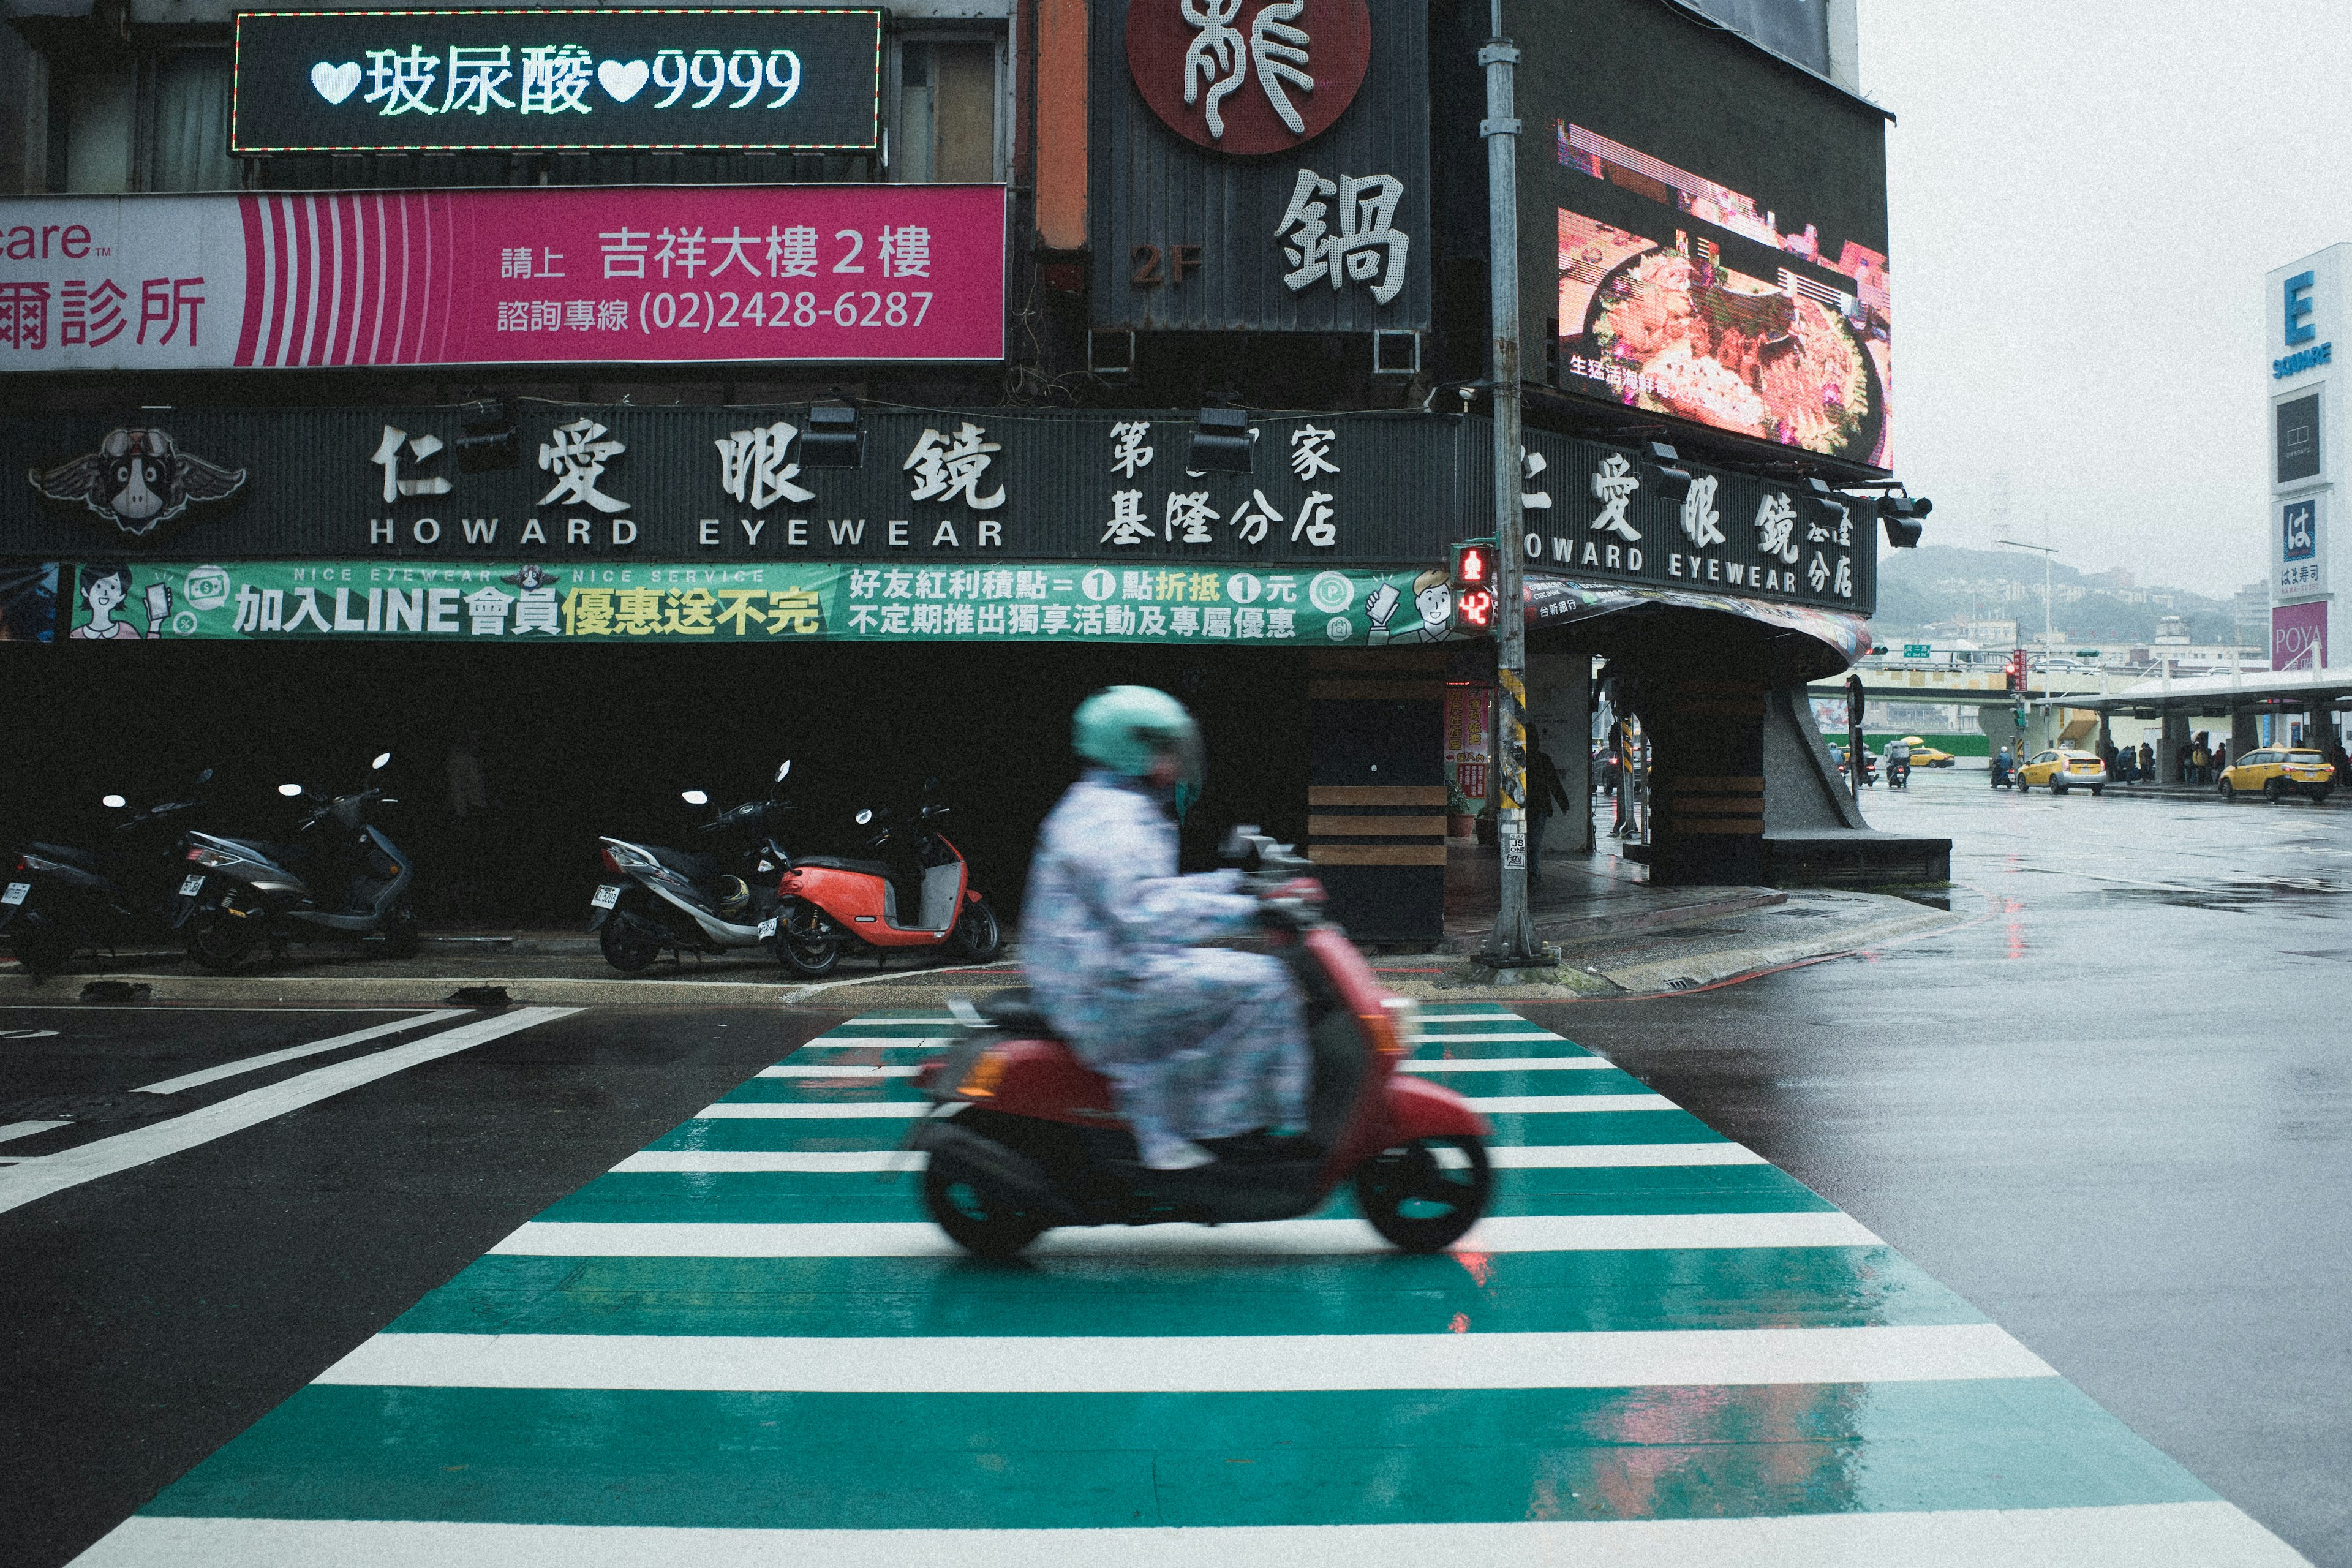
(355, 82)
(556, 481)
(1250, 225)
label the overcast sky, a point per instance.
(2084, 197)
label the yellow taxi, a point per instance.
(1929, 757)
(2062, 769)
(2277, 771)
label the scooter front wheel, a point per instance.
(976, 1215)
(805, 948)
(1423, 1195)
(978, 935)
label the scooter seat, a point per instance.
(67, 853)
(692, 867)
(1012, 1009)
(835, 863)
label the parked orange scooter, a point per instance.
(909, 890)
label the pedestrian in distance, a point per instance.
(2147, 761)
(1543, 788)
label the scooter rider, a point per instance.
(1199, 1043)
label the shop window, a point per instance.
(90, 118)
(948, 111)
(190, 133)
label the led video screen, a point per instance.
(1681, 295)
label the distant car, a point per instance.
(2277, 771)
(2063, 770)
(1929, 757)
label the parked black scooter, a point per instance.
(341, 879)
(59, 899)
(691, 900)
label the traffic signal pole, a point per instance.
(1513, 944)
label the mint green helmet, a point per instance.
(1127, 727)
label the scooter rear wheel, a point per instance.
(975, 1214)
(220, 940)
(1423, 1195)
(41, 945)
(629, 942)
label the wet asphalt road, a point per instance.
(2114, 1113)
(2110, 1112)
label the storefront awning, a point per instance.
(1562, 601)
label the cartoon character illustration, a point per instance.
(533, 577)
(138, 478)
(1432, 596)
(103, 591)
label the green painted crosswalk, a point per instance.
(745, 1345)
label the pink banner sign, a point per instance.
(549, 275)
(2299, 635)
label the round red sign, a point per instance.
(1248, 77)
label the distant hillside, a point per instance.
(1939, 583)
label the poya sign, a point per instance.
(349, 81)
(1248, 77)
(544, 275)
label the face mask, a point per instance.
(1184, 797)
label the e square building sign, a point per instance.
(522, 80)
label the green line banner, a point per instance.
(771, 602)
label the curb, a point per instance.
(1597, 928)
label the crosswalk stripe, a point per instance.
(1269, 1363)
(1287, 1238)
(1497, 1035)
(2197, 1534)
(1507, 1064)
(1541, 1104)
(1508, 1157)
(867, 1042)
(788, 1111)
(830, 1069)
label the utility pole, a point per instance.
(1513, 946)
(2047, 552)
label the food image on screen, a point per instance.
(1665, 322)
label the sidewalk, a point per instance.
(1581, 897)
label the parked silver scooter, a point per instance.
(690, 900)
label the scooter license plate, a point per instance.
(16, 893)
(767, 928)
(606, 897)
(192, 886)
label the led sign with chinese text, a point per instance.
(521, 81)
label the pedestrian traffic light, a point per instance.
(1474, 584)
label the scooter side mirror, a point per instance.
(382, 760)
(864, 816)
(289, 790)
(694, 797)
(113, 801)
(782, 771)
(205, 777)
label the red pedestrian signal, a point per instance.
(1473, 587)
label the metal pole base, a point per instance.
(1516, 968)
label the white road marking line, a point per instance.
(753, 1111)
(747, 1160)
(835, 1043)
(895, 1020)
(1605, 1156)
(1507, 1064)
(832, 1070)
(1285, 1237)
(271, 1059)
(1545, 1104)
(22, 1183)
(1189, 1363)
(1498, 1017)
(1517, 1157)
(2128, 1536)
(1499, 1034)
(26, 1129)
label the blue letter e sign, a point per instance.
(2299, 305)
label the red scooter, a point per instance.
(909, 889)
(1026, 1138)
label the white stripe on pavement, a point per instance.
(1506, 1064)
(293, 1053)
(1284, 1238)
(752, 1111)
(1527, 1157)
(2130, 1535)
(918, 1042)
(1500, 1035)
(722, 1162)
(22, 1183)
(834, 1070)
(26, 1129)
(1190, 1363)
(1510, 1157)
(1548, 1104)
